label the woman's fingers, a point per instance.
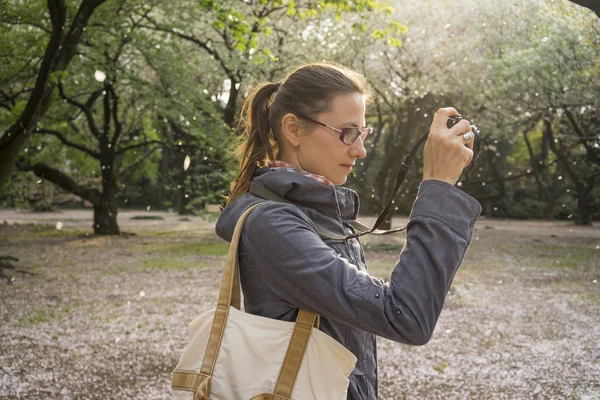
(469, 154)
(441, 117)
(460, 128)
(446, 153)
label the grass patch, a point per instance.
(384, 247)
(148, 217)
(48, 314)
(55, 233)
(160, 233)
(441, 367)
(30, 232)
(590, 297)
(577, 257)
(68, 219)
(189, 249)
(381, 269)
(169, 264)
(38, 317)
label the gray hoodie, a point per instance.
(286, 265)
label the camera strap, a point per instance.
(360, 228)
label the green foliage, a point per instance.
(173, 66)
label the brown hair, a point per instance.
(308, 90)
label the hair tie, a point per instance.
(269, 104)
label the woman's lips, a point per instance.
(348, 167)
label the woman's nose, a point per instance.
(357, 149)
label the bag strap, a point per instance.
(229, 295)
(295, 352)
(230, 275)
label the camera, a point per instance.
(476, 142)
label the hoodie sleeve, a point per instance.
(302, 270)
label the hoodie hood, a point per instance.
(315, 199)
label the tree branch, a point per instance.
(589, 149)
(57, 56)
(62, 180)
(115, 116)
(579, 183)
(124, 175)
(21, 127)
(86, 108)
(67, 142)
(190, 38)
(138, 145)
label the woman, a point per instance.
(294, 146)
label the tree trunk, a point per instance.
(550, 207)
(387, 223)
(584, 210)
(105, 217)
(230, 108)
(105, 210)
(487, 208)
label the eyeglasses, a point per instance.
(347, 135)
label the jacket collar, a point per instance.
(307, 192)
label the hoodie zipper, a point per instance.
(339, 214)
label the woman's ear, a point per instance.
(290, 129)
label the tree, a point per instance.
(549, 73)
(235, 35)
(59, 51)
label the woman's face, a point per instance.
(322, 152)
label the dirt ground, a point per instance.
(93, 317)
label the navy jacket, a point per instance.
(286, 265)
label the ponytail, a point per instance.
(258, 142)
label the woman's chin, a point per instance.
(340, 180)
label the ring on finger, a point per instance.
(467, 137)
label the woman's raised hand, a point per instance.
(445, 154)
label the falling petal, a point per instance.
(186, 163)
(59, 225)
(99, 76)
(142, 293)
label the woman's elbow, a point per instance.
(415, 332)
(421, 338)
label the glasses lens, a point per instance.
(365, 134)
(350, 135)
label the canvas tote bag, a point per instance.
(232, 355)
